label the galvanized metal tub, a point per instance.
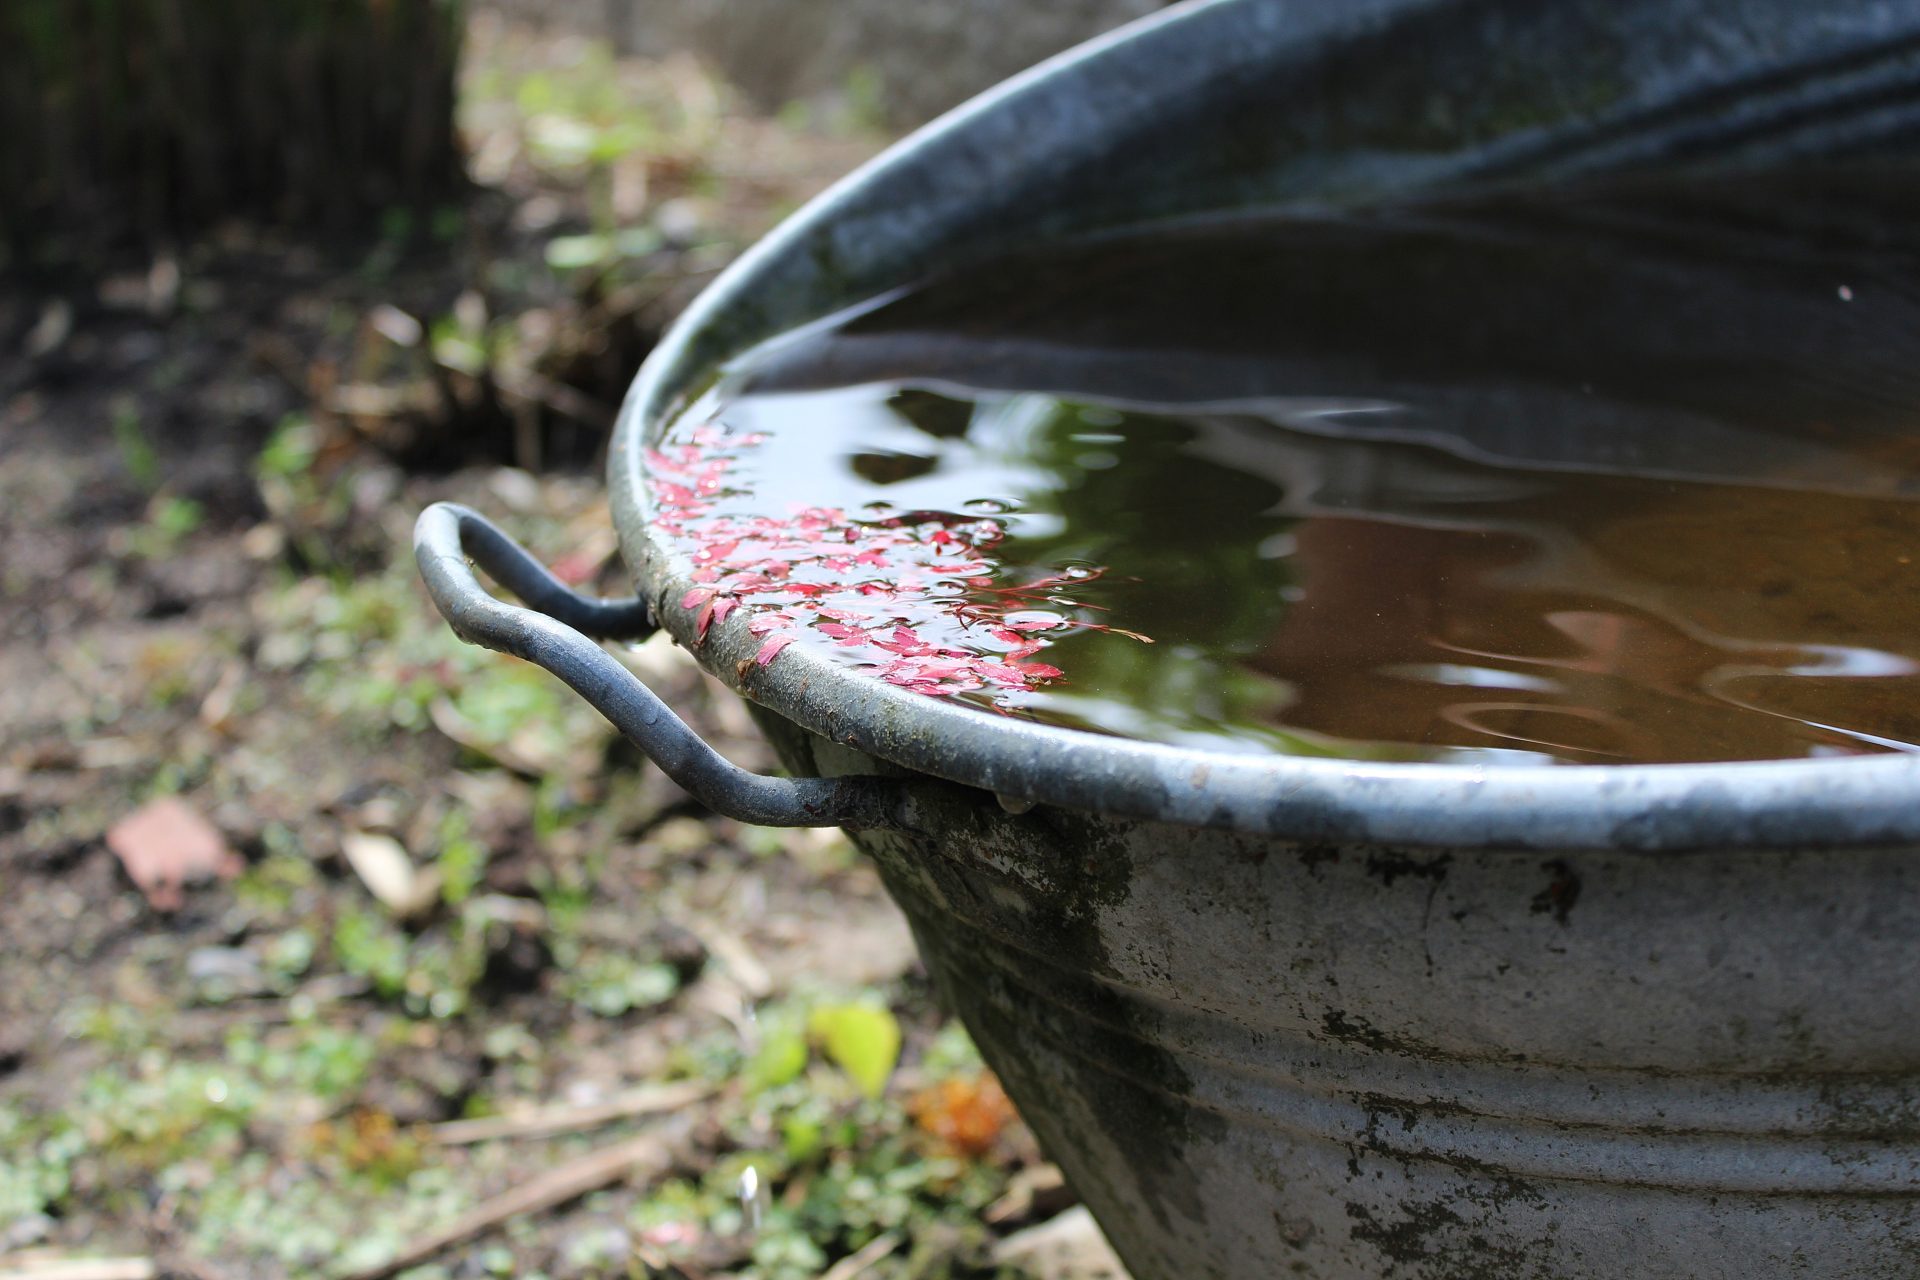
(1281, 1016)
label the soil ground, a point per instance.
(458, 898)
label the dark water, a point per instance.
(1631, 479)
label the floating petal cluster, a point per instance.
(914, 596)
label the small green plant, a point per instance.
(462, 860)
(137, 455)
(272, 886)
(36, 1164)
(309, 1057)
(610, 984)
(836, 1161)
(170, 521)
(367, 946)
(289, 452)
(176, 518)
(601, 249)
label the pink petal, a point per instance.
(771, 649)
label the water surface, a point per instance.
(1634, 478)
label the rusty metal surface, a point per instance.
(1260, 1057)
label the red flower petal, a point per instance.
(771, 649)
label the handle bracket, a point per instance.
(560, 630)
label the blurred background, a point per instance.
(330, 946)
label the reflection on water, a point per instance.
(1453, 491)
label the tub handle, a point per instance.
(560, 631)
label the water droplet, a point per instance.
(749, 1193)
(1077, 571)
(990, 506)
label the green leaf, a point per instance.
(782, 1057)
(568, 253)
(863, 1040)
(802, 1137)
(611, 985)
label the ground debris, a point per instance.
(440, 917)
(1069, 1247)
(383, 866)
(166, 845)
(649, 1155)
(542, 1121)
(56, 1266)
(861, 1261)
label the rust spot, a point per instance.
(1312, 855)
(1562, 891)
(1391, 866)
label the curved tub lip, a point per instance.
(1852, 802)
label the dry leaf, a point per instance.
(447, 719)
(1029, 1189)
(51, 1265)
(383, 866)
(166, 845)
(1069, 1247)
(968, 1115)
(216, 709)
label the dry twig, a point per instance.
(649, 1155)
(538, 1121)
(857, 1262)
(42, 1266)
